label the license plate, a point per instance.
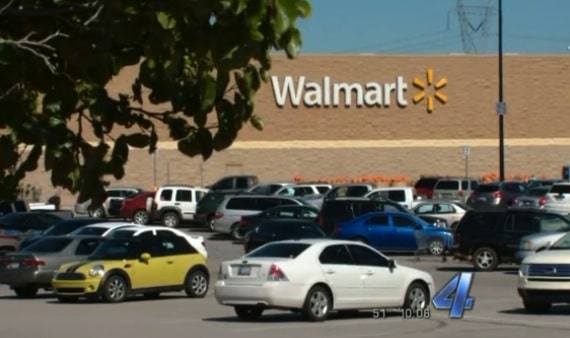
(244, 271)
(13, 266)
(481, 199)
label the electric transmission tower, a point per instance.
(475, 24)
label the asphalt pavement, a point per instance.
(497, 312)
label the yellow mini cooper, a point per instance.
(119, 268)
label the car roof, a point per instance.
(110, 225)
(316, 241)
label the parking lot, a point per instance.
(497, 312)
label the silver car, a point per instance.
(33, 267)
(533, 198)
(450, 211)
(229, 212)
(552, 227)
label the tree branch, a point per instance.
(94, 16)
(33, 46)
(6, 6)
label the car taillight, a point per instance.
(498, 195)
(218, 215)
(542, 201)
(472, 196)
(460, 193)
(276, 274)
(243, 221)
(336, 229)
(32, 262)
(321, 220)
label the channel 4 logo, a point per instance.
(454, 296)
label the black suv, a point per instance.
(491, 237)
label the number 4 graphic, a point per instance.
(454, 296)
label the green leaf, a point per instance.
(206, 143)
(282, 21)
(138, 140)
(294, 43)
(223, 139)
(120, 152)
(304, 8)
(166, 20)
(257, 122)
(190, 145)
(208, 86)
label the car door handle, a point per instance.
(169, 262)
(330, 272)
(369, 273)
(176, 203)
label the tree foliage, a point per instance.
(203, 59)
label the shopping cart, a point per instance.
(427, 245)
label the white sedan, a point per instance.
(319, 276)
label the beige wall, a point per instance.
(388, 141)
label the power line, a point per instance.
(406, 40)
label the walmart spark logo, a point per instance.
(430, 91)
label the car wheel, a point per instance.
(170, 219)
(67, 299)
(197, 283)
(151, 295)
(115, 289)
(485, 259)
(360, 239)
(211, 225)
(97, 213)
(435, 247)
(25, 291)
(141, 217)
(536, 307)
(248, 312)
(317, 304)
(417, 297)
(234, 230)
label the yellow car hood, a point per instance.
(85, 266)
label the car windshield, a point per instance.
(279, 250)
(112, 249)
(89, 231)
(48, 245)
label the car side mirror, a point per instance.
(145, 257)
(391, 264)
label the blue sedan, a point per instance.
(396, 231)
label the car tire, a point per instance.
(318, 304)
(115, 289)
(417, 297)
(536, 307)
(26, 291)
(211, 224)
(436, 247)
(360, 240)
(151, 295)
(197, 284)
(248, 312)
(485, 259)
(67, 299)
(141, 217)
(170, 219)
(234, 231)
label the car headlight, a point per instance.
(526, 245)
(523, 269)
(97, 271)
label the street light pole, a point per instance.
(501, 106)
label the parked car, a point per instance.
(425, 185)
(534, 182)
(395, 232)
(62, 227)
(197, 242)
(175, 203)
(111, 207)
(497, 194)
(16, 227)
(450, 211)
(230, 211)
(341, 191)
(207, 206)
(33, 267)
(558, 199)
(101, 229)
(542, 279)
(267, 188)
(552, 228)
(488, 238)
(234, 183)
(455, 188)
(302, 190)
(302, 212)
(317, 277)
(120, 268)
(134, 208)
(533, 197)
(281, 229)
(405, 196)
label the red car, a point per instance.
(134, 208)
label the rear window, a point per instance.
(323, 189)
(122, 234)
(48, 245)
(537, 192)
(426, 183)
(279, 250)
(487, 188)
(90, 231)
(560, 189)
(479, 221)
(241, 203)
(447, 185)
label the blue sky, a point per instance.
(433, 27)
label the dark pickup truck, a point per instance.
(488, 238)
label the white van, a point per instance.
(406, 196)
